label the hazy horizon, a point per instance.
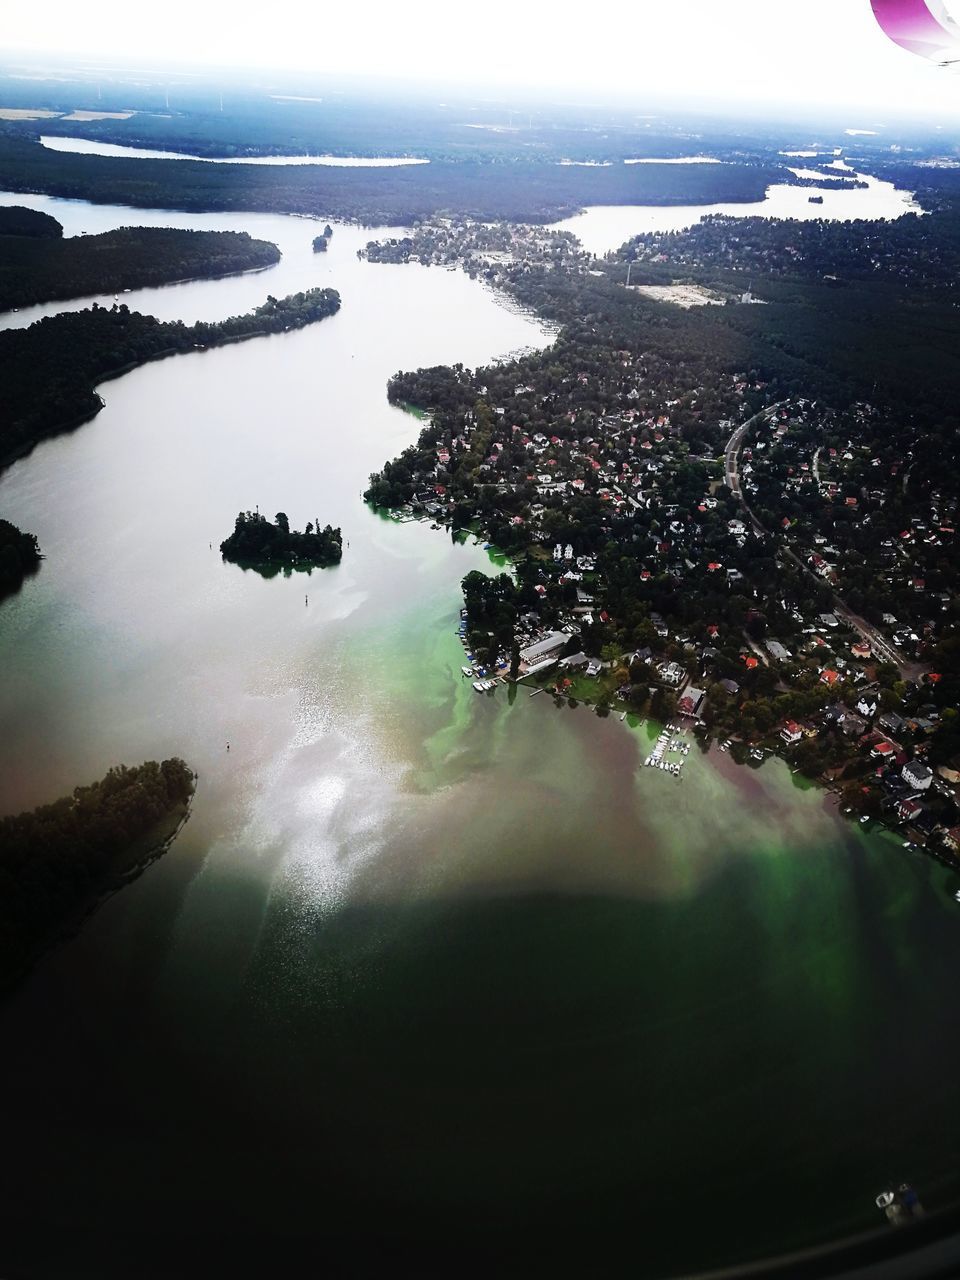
(747, 56)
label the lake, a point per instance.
(425, 970)
(87, 147)
(604, 228)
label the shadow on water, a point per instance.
(527, 1076)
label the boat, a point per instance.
(478, 685)
(623, 717)
(900, 1205)
(467, 671)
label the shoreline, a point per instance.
(146, 850)
(769, 744)
(138, 288)
(22, 451)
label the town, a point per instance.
(691, 539)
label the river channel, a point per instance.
(420, 960)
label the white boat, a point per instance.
(478, 685)
(467, 671)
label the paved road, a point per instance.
(876, 639)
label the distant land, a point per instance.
(531, 191)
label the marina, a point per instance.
(671, 742)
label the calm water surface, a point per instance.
(603, 228)
(87, 147)
(420, 960)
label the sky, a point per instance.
(741, 52)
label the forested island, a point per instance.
(321, 242)
(49, 370)
(256, 543)
(58, 861)
(35, 268)
(19, 556)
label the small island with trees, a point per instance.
(321, 243)
(19, 555)
(256, 543)
(58, 862)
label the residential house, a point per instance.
(892, 723)
(917, 775)
(691, 701)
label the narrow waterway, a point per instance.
(420, 959)
(603, 228)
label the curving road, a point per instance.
(876, 639)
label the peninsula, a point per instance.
(49, 370)
(37, 268)
(19, 556)
(57, 862)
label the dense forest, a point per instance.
(49, 370)
(256, 543)
(532, 191)
(19, 555)
(15, 220)
(57, 860)
(36, 270)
